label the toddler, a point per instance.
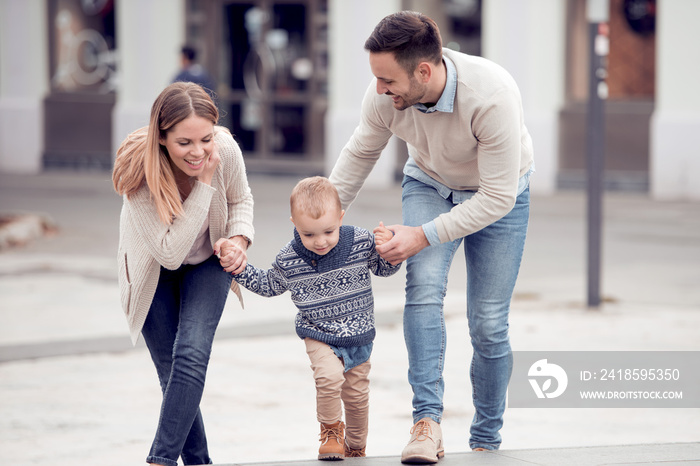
(326, 269)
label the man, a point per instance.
(466, 180)
(191, 71)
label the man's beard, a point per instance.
(416, 92)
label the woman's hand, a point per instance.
(210, 165)
(232, 253)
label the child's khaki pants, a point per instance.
(333, 384)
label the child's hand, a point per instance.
(232, 254)
(382, 234)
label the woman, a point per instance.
(186, 198)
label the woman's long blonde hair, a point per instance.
(141, 158)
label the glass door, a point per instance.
(82, 64)
(270, 59)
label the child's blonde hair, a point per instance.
(313, 196)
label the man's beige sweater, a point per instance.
(146, 244)
(483, 145)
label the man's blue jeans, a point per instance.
(179, 332)
(493, 257)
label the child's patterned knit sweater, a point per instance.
(333, 292)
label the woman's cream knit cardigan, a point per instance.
(145, 243)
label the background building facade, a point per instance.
(77, 76)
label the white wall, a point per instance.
(23, 84)
(350, 24)
(675, 124)
(149, 36)
(527, 38)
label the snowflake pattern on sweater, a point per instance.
(333, 292)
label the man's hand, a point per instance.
(407, 242)
(232, 253)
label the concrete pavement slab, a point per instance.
(668, 454)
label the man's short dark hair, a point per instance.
(411, 36)
(189, 52)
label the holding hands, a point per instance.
(382, 234)
(232, 253)
(399, 242)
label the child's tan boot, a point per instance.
(332, 441)
(354, 452)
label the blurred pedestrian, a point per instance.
(326, 269)
(466, 180)
(193, 72)
(186, 197)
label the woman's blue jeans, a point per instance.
(179, 332)
(493, 257)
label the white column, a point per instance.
(23, 84)
(527, 38)
(675, 153)
(149, 36)
(350, 24)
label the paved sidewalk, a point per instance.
(678, 453)
(73, 391)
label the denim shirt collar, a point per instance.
(447, 99)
